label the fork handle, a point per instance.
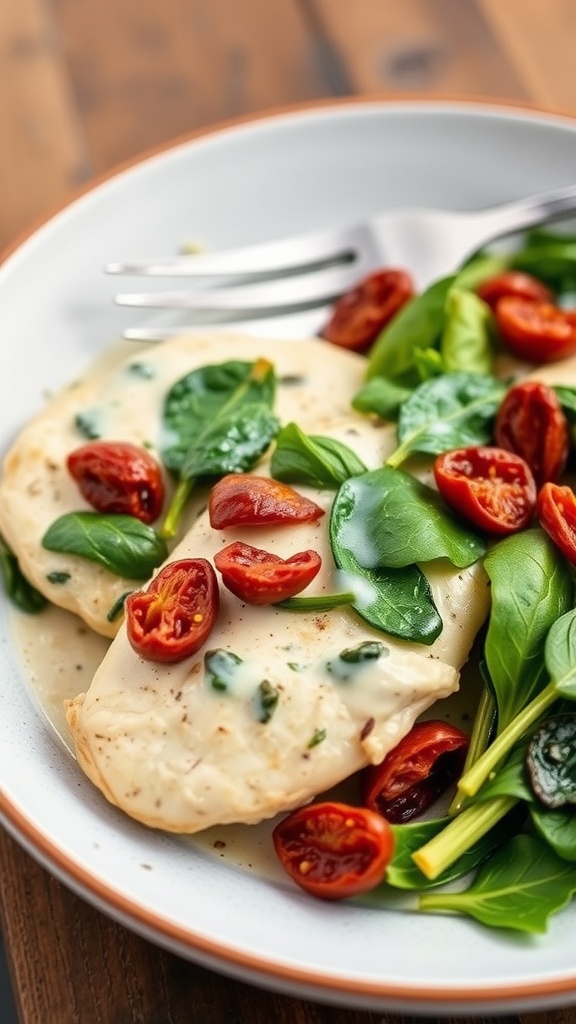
(529, 212)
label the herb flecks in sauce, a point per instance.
(318, 736)
(268, 698)
(353, 660)
(58, 578)
(220, 667)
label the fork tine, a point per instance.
(316, 288)
(263, 257)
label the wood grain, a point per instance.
(73, 965)
(435, 46)
(42, 152)
(538, 39)
(143, 72)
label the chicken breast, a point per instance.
(123, 403)
(177, 753)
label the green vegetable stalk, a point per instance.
(560, 661)
(219, 420)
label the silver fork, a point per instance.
(312, 270)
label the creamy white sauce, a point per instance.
(59, 656)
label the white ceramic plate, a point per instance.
(273, 176)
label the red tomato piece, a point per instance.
(259, 577)
(243, 499)
(118, 477)
(539, 332)
(557, 513)
(421, 767)
(358, 316)
(530, 422)
(516, 283)
(172, 618)
(333, 850)
(491, 488)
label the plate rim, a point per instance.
(441, 101)
(177, 938)
(104, 896)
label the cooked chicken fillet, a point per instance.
(176, 753)
(124, 404)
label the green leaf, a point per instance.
(465, 345)
(479, 268)
(452, 411)
(557, 828)
(381, 396)
(122, 544)
(550, 261)
(428, 362)
(520, 887)
(560, 654)
(510, 779)
(207, 423)
(194, 402)
(313, 460)
(390, 519)
(418, 325)
(531, 587)
(397, 601)
(21, 593)
(232, 444)
(402, 872)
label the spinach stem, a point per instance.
(479, 738)
(319, 603)
(471, 781)
(171, 523)
(399, 454)
(460, 834)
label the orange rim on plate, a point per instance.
(184, 940)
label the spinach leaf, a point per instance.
(122, 544)
(510, 779)
(402, 872)
(21, 593)
(196, 399)
(544, 235)
(451, 411)
(531, 587)
(480, 267)
(560, 655)
(557, 828)
(520, 887)
(382, 396)
(398, 601)
(465, 346)
(428, 362)
(559, 663)
(232, 443)
(216, 417)
(417, 325)
(390, 519)
(551, 260)
(312, 459)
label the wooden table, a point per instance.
(89, 83)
